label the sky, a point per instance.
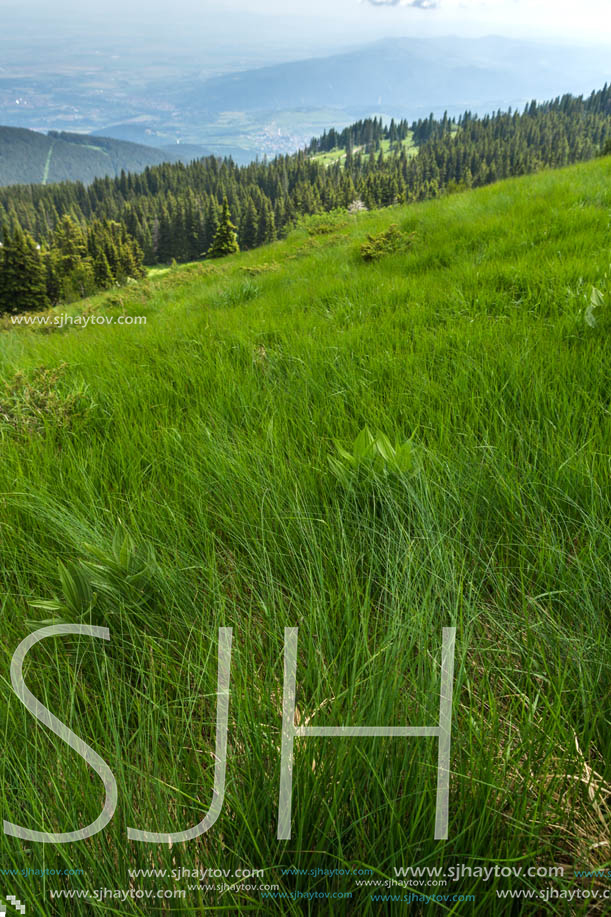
(586, 16)
(570, 19)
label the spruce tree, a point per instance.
(267, 224)
(249, 227)
(69, 240)
(23, 286)
(53, 276)
(225, 240)
(211, 222)
(101, 272)
(164, 240)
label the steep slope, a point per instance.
(200, 472)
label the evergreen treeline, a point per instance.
(173, 210)
(74, 263)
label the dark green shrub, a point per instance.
(388, 242)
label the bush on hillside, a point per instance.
(388, 242)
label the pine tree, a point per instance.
(101, 272)
(53, 277)
(69, 240)
(225, 240)
(211, 222)
(267, 224)
(23, 282)
(249, 226)
(164, 242)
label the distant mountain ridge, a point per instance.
(30, 157)
(276, 108)
(408, 76)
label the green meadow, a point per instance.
(338, 154)
(369, 451)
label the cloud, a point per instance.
(419, 4)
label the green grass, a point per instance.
(206, 435)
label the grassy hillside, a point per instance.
(29, 157)
(187, 475)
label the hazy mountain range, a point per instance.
(407, 76)
(277, 108)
